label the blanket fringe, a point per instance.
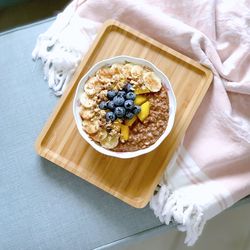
(59, 62)
(170, 205)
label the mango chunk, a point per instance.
(141, 91)
(131, 121)
(124, 132)
(140, 99)
(145, 107)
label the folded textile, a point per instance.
(210, 171)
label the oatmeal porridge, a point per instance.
(124, 107)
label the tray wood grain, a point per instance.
(131, 180)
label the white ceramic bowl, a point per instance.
(122, 59)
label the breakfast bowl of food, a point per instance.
(124, 107)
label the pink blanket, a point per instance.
(211, 170)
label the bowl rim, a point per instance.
(171, 97)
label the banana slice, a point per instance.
(90, 91)
(101, 135)
(87, 114)
(89, 86)
(136, 71)
(86, 101)
(104, 75)
(151, 81)
(95, 137)
(126, 69)
(92, 86)
(91, 127)
(111, 141)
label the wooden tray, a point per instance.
(131, 180)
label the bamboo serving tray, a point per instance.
(131, 180)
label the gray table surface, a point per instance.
(41, 205)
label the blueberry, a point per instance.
(128, 87)
(121, 93)
(136, 110)
(129, 104)
(120, 112)
(118, 101)
(110, 116)
(129, 115)
(111, 94)
(103, 105)
(111, 105)
(130, 96)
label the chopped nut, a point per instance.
(134, 82)
(113, 132)
(102, 113)
(108, 129)
(116, 78)
(103, 94)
